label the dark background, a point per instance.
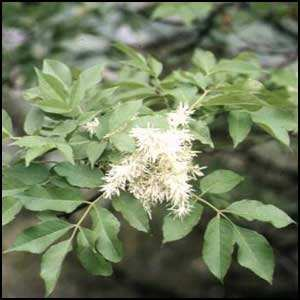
(81, 34)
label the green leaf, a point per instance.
(80, 175)
(39, 198)
(33, 141)
(107, 227)
(280, 133)
(94, 150)
(255, 253)
(220, 181)
(87, 79)
(10, 208)
(284, 118)
(205, 60)
(201, 131)
(276, 122)
(79, 142)
(91, 76)
(156, 67)
(184, 94)
(47, 215)
(94, 262)
(51, 88)
(137, 60)
(38, 238)
(280, 99)
(52, 262)
(31, 175)
(64, 128)
(35, 152)
(86, 237)
(90, 259)
(256, 210)
(77, 94)
(7, 128)
(32, 94)
(34, 121)
(132, 93)
(237, 66)
(132, 210)
(187, 12)
(218, 246)
(238, 99)
(58, 70)
(123, 142)
(12, 186)
(285, 77)
(175, 228)
(103, 129)
(124, 113)
(54, 106)
(239, 126)
(67, 151)
(197, 79)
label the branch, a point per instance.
(270, 18)
(202, 32)
(193, 36)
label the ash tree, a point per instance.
(136, 143)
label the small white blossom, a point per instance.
(181, 116)
(91, 126)
(160, 169)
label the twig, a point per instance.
(80, 207)
(77, 225)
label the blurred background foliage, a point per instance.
(82, 34)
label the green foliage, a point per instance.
(239, 126)
(12, 186)
(175, 229)
(256, 210)
(276, 122)
(32, 175)
(94, 150)
(132, 211)
(107, 227)
(220, 181)
(204, 60)
(218, 246)
(34, 121)
(89, 120)
(186, 12)
(91, 260)
(79, 175)
(10, 208)
(38, 145)
(58, 70)
(201, 132)
(255, 253)
(39, 198)
(124, 113)
(37, 239)
(52, 263)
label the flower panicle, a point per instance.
(161, 168)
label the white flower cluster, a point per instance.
(91, 126)
(161, 168)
